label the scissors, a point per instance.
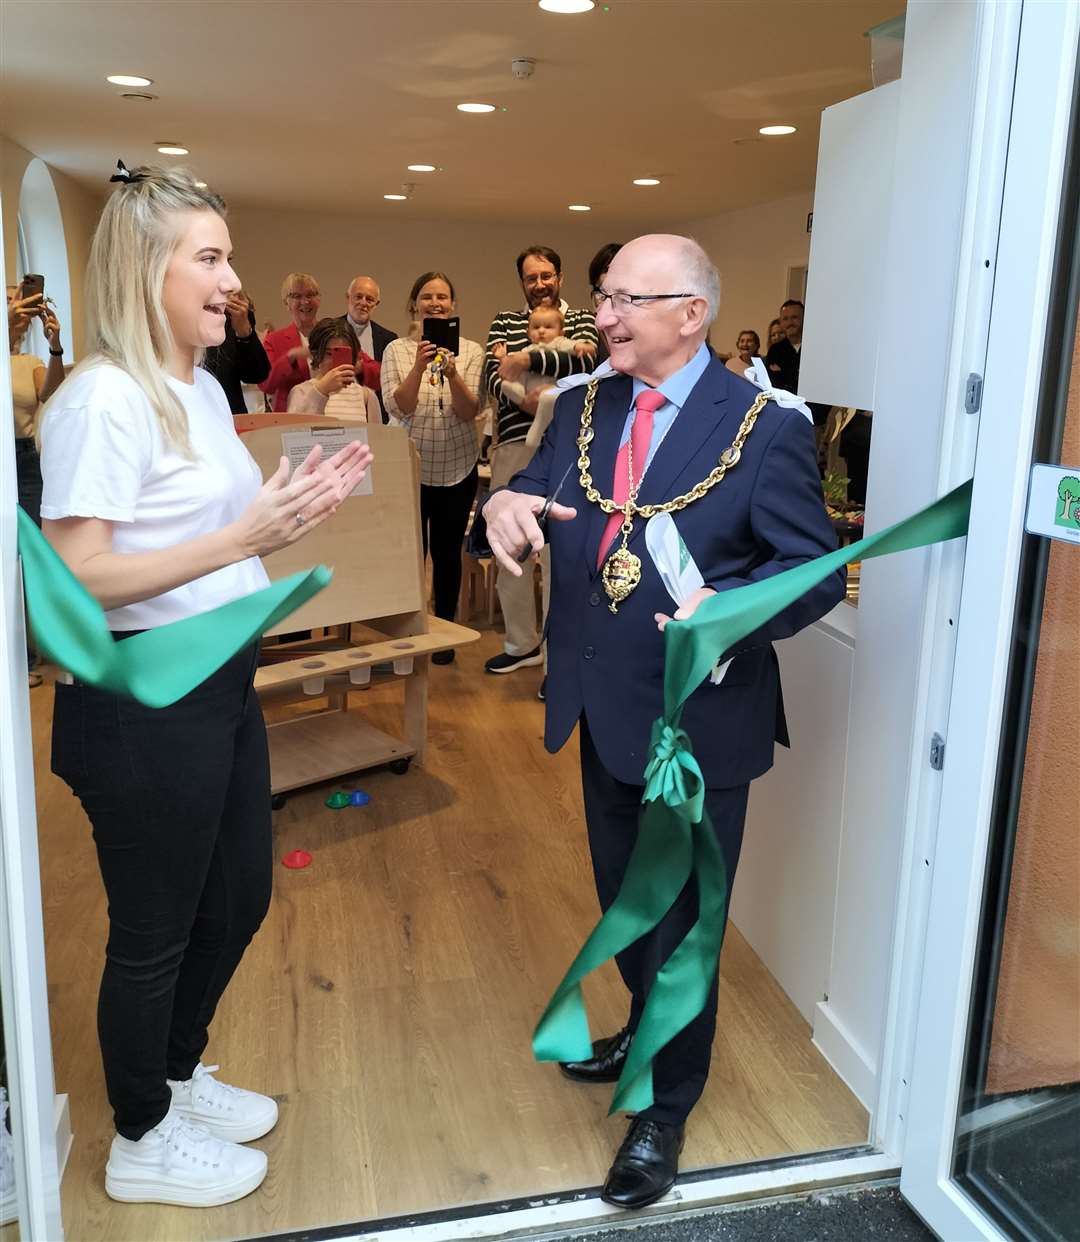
(542, 516)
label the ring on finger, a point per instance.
(300, 519)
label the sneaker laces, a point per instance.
(186, 1140)
(205, 1088)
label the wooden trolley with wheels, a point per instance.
(373, 613)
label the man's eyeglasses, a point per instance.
(625, 301)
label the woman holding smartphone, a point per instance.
(158, 509)
(435, 394)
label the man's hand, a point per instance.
(512, 527)
(514, 365)
(684, 611)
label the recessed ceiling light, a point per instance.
(567, 6)
(773, 131)
(579, 207)
(128, 79)
(646, 181)
(397, 198)
(200, 185)
(171, 148)
(475, 107)
(422, 168)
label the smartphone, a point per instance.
(33, 283)
(444, 332)
(341, 356)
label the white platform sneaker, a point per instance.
(229, 1113)
(182, 1164)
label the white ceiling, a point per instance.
(321, 105)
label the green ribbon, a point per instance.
(675, 838)
(162, 664)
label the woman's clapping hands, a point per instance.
(286, 509)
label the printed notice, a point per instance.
(1054, 503)
(295, 445)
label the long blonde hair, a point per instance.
(133, 243)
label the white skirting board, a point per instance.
(842, 1051)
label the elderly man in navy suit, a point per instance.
(647, 436)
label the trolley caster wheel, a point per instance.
(399, 766)
(277, 801)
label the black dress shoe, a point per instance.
(646, 1165)
(606, 1062)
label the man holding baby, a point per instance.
(525, 356)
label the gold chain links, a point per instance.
(728, 458)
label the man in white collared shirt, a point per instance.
(362, 297)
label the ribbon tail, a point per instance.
(655, 875)
(162, 664)
(683, 984)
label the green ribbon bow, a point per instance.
(675, 838)
(162, 664)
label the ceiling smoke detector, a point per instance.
(522, 67)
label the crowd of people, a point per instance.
(166, 516)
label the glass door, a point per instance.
(993, 1140)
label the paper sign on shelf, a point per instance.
(295, 445)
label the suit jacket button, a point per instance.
(589, 652)
(594, 598)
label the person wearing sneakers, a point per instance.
(508, 357)
(655, 431)
(155, 505)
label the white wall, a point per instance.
(479, 258)
(753, 249)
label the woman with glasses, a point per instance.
(287, 348)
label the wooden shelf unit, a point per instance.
(377, 601)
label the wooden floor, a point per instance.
(389, 999)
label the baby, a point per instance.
(545, 332)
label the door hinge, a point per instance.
(973, 393)
(937, 752)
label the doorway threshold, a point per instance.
(554, 1215)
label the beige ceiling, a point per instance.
(322, 104)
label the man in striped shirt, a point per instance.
(540, 271)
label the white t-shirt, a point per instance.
(103, 456)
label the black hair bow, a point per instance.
(123, 174)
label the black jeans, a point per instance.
(612, 809)
(446, 511)
(179, 802)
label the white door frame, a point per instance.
(1041, 116)
(27, 1039)
(962, 300)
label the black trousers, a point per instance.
(179, 802)
(611, 814)
(445, 510)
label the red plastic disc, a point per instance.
(296, 859)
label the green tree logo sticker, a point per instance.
(1069, 495)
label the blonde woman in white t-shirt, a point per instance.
(159, 510)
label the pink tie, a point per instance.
(648, 401)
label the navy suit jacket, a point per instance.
(766, 516)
